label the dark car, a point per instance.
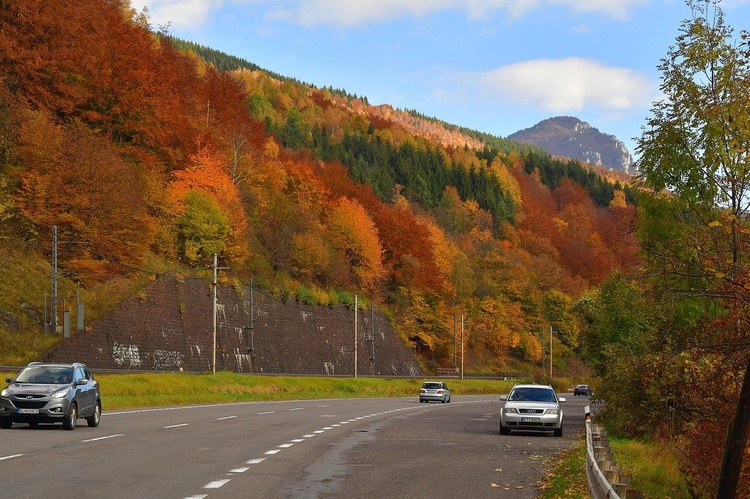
(434, 390)
(582, 390)
(51, 393)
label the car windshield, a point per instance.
(532, 395)
(432, 386)
(46, 375)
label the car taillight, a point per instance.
(440, 392)
(422, 390)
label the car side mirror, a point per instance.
(503, 397)
(82, 381)
(561, 399)
(9, 380)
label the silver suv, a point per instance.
(51, 393)
(531, 407)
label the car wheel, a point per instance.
(558, 432)
(93, 421)
(443, 401)
(449, 400)
(69, 423)
(6, 424)
(504, 430)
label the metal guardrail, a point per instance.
(604, 477)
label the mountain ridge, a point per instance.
(573, 138)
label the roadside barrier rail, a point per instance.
(604, 477)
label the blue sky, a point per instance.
(497, 66)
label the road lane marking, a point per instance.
(272, 452)
(239, 470)
(175, 426)
(216, 484)
(225, 417)
(11, 457)
(285, 446)
(266, 412)
(297, 440)
(309, 435)
(257, 460)
(101, 438)
(297, 409)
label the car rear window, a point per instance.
(432, 386)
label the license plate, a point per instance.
(28, 411)
(530, 420)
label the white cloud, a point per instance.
(180, 13)
(347, 14)
(561, 86)
(352, 13)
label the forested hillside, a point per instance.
(143, 149)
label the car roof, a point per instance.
(533, 385)
(55, 364)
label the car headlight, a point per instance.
(60, 393)
(553, 411)
(4, 393)
(511, 410)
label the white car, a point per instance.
(532, 407)
(434, 391)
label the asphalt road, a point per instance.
(293, 449)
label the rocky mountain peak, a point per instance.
(570, 137)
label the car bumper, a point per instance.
(431, 397)
(542, 422)
(52, 411)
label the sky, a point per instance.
(495, 66)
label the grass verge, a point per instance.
(652, 468)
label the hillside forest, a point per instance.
(151, 154)
(131, 142)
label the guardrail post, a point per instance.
(604, 477)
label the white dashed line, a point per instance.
(297, 440)
(267, 412)
(309, 435)
(216, 484)
(272, 452)
(11, 457)
(257, 460)
(101, 438)
(175, 426)
(297, 409)
(239, 470)
(285, 446)
(226, 417)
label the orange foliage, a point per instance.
(355, 235)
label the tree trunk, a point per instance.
(734, 448)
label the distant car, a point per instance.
(51, 393)
(532, 407)
(582, 390)
(435, 390)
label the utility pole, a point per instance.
(550, 352)
(251, 338)
(462, 346)
(216, 270)
(355, 336)
(53, 298)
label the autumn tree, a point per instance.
(75, 180)
(695, 170)
(356, 237)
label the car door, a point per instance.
(85, 392)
